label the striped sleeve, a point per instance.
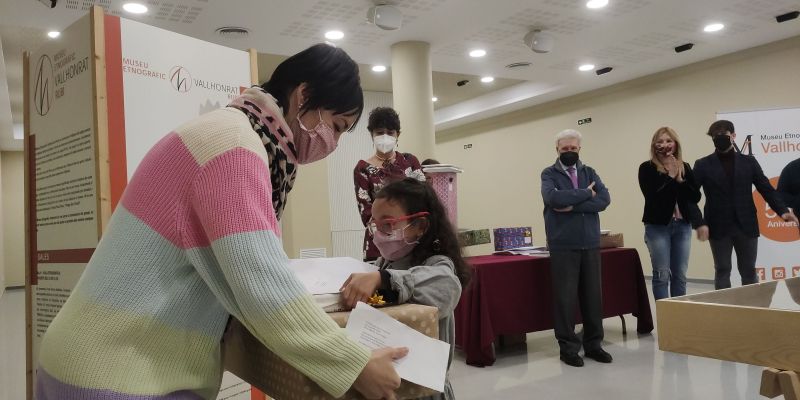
(231, 200)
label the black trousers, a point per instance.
(746, 252)
(576, 279)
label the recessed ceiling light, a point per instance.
(53, 34)
(334, 35)
(713, 27)
(378, 68)
(434, 99)
(487, 79)
(596, 3)
(477, 53)
(586, 67)
(134, 8)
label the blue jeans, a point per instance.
(669, 253)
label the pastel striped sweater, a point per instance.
(194, 239)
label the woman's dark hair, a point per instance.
(440, 238)
(383, 118)
(429, 161)
(331, 77)
(720, 127)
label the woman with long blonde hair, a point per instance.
(670, 212)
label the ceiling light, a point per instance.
(434, 99)
(713, 27)
(334, 35)
(134, 8)
(53, 34)
(378, 68)
(586, 67)
(487, 79)
(596, 3)
(477, 53)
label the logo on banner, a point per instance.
(180, 78)
(44, 87)
(778, 273)
(771, 225)
(795, 271)
(762, 273)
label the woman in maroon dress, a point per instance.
(385, 166)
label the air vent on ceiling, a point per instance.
(521, 64)
(233, 32)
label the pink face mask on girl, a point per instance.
(392, 243)
(314, 144)
(393, 246)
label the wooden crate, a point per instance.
(755, 324)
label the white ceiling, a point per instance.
(635, 37)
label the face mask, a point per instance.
(568, 158)
(393, 246)
(314, 144)
(722, 142)
(385, 143)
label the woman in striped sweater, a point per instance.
(196, 239)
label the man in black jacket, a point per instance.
(573, 196)
(727, 177)
(789, 185)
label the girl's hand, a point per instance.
(359, 287)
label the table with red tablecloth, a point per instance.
(511, 295)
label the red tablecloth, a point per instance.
(512, 295)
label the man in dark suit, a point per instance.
(789, 185)
(573, 197)
(727, 177)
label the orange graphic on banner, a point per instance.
(778, 273)
(770, 223)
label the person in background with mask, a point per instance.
(670, 211)
(727, 177)
(573, 197)
(385, 166)
(196, 239)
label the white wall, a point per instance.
(12, 216)
(501, 183)
(2, 236)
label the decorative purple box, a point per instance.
(511, 238)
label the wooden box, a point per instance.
(247, 358)
(754, 324)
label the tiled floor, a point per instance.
(639, 371)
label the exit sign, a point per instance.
(584, 121)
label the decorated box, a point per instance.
(512, 238)
(247, 358)
(474, 237)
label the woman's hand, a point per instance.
(671, 165)
(379, 380)
(359, 287)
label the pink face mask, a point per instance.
(393, 246)
(314, 144)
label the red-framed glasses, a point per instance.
(387, 225)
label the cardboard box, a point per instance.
(247, 358)
(474, 237)
(512, 238)
(611, 240)
(754, 324)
